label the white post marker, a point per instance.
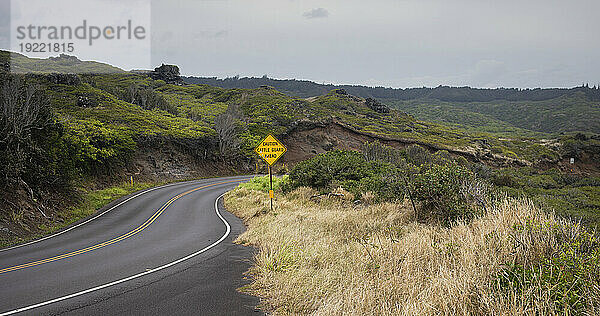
(270, 150)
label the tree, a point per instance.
(226, 126)
(132, 89)
(24, 110)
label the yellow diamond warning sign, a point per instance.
(270, 149)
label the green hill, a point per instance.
(189, 112)
(527, 112)
(567, 113)
(106, 118)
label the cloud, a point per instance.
(316, 13)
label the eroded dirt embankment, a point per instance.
(307, 140)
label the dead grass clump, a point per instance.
(368, 198)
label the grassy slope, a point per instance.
(332, 257)
(118, 114)
(561, 110)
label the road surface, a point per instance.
(162, 251)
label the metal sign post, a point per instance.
(270, 150)
(271, 193)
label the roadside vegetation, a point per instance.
(397, 232)
(88, 202)
(263, 184)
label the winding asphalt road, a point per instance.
(161, 251)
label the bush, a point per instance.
(441, 157)
(376, 151)
(542, 181)
(96, 147)
(418, 155)
(481, 170)
(31, 144)
(572, 148)
(447, 192)
(334, 167)
(504, 179)
(439, 189)
(386, 187)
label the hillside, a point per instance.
(567, 113)
(87, 132)
(498, 110)
(18, 63)
(190, 112)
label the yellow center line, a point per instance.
(133, 232)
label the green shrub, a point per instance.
(418, 155)
(439, 189)
(482, 171)
(588, 181)
(441, 157)
(569, 195)
(504, 179)
(334, 167)
(95, 146)
(572, 148)
(376, 151)
(388, 186)
(542, 181)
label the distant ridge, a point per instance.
(18, 63)
(305, 89)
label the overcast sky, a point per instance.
(533, 43)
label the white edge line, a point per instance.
(103, 286)
(92, 218)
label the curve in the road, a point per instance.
(89, 219)
(112, 241)
(106, 285)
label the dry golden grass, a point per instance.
(332, 257)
